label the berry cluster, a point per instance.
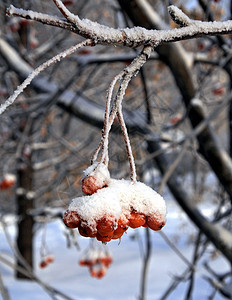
(112, 206)
(46, 260)
(98, 261)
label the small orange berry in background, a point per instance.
(101, 273)
(98, 270)
(83, 262)
(219, 91)
(43, 264)
(106, 261)
(71, 219)
(155, 222)
(136, 219)
(49, 259)
(87, 262)
(8, 181)
(46, 260)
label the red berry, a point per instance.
(106, 225)
(136, 219)
(90, 185)
(86, 230)
(82, 262)
(118, 233)
(106, 261)
(8, 181)
(49, 259)
(87, 262)
(219, 91)
(97, 270)
(156, 222)
(122, 227)
(105, 238)
(71, 219)
(101, 273)
(43, 264)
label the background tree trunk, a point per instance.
(25, 223)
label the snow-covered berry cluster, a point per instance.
(111, 206)
(97, 260)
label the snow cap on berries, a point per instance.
(95, 177)
(139, 196)
(121, 196)
(94, 207)
(99, 171)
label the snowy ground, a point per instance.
(122, 280)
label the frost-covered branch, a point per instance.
(130, 37)
(40, 17)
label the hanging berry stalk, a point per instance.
(109, 207)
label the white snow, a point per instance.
(139, 197)
(99, 171)
(92, 208)
(10, 177)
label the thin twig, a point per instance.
(39, 69)
(145, 264)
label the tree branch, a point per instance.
(130, 37)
